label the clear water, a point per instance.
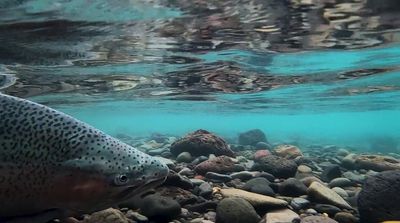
(324, 72)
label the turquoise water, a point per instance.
(137, 68)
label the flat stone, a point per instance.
(317, 219)
(304, 169)
(299, 203)
(197, 182)
(340, 182)
(259, 185)
(319, 192)
(243, 175)
(358, 178)
(341, 192)
(279, 216)
(257, 200)
(344, 217)
(217, 177)
(377, 162)
(331, 210)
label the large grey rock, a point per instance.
(277, 166)
(379, 199)
(252, 137)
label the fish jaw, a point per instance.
(154, 174)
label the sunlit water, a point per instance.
(306, 71)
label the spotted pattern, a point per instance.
(37, 143)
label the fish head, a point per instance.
(103, 178)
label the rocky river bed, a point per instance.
(253, 181)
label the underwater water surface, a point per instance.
(323, 72)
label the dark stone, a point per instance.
(252, 137)
(183, 197)
(331, 172)
(259, 185)
(175, 179)
(277, 166)
(160, 208)
(379, 198)
(263, 145)
(266, 175)
(299, 203)
(345, 217)
(327, 208)
(217, 177)
(292, 187)
(202, 207)
(205, 190)
(201, 142)
(236, 210)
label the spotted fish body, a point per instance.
(51, 161)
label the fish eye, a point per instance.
(120, 180)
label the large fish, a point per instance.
(55, 165)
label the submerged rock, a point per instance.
(221, 164)
(317, 219)
(331, 210)
(159, 207)
(184, 157)
(109, 215)
(377, 162)
(277, 166)
(261, 153)
(236, 210)
(292, 187)
(379, 198)
(321, 193)
(201, 142)
(331, 172)
(252, 137)
(259, 185)
(282, 215)
(288, 151)
(345, 217)
(257, 200)
(299, 203)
